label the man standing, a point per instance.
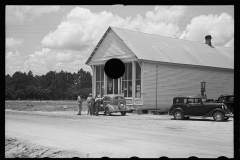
(97, 104)
(90, 104)
(80, 100)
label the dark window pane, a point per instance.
(109, 86)
(97, 73)
(124, 88)
(138, 89)
(129, 88)
(102, 73)
(97, 88)
(129, 71)
(138, 71)
(115, 86)
(102, 89)
(124, 77)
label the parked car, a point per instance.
(114, 103)
(228, 100)
(190, 106)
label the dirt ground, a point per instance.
(64, 134)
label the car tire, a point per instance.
(123, 113)
(107, 112)
(186, 118)
(218, 116)
(178, 115)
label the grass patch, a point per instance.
(48, 106)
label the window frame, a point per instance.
(126, 77)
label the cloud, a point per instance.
(168, 14)
(41, 62)
(13, 42)
(220, 27)
(82, 29)
(11, 54)
(13, 62)
(17, 14)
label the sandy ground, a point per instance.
(64, 134)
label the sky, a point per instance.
(54, 38)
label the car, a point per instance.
(190, 106)
(113, 103)
(228, 100)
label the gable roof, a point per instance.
(171, 50)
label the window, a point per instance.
(138, 81)
(109, 85)
(231, 99)
(180, 100)
(119, 98)
(190, 101)
(194, 101)
(127, 80)
(99, 80)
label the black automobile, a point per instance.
(113, 104)
(190, 106)
(228, 100)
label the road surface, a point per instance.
(116, 136)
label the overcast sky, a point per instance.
(48, 38)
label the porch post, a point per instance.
(133, 80)
(94, 82)
(105, 84)
(119, 86)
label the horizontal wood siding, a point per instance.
(183, 81)
(149, 84)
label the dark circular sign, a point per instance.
(114, 68)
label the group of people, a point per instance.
(93, 104)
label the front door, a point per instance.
(195, 107)
(112, 86)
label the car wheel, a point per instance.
(186, 117)
(218, 116)
(178, 114)
(123, 113)
(107, 112)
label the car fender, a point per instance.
(110, 107)
(210, 114)
(177, 109)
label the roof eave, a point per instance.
(97, 46)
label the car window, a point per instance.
(198, 101)
(231, 99)
(222, 99)
(181, 100)
(190, 101)
(119, 98)
(107, 99)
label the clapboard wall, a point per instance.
(182, 80)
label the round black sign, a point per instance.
(114, 68)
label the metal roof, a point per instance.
(172, 50)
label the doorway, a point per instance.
(112, 86)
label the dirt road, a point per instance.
(145, 136)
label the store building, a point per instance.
(158, 68)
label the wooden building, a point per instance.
(158, 68)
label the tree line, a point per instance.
(52, 86)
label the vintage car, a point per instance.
(190, 106)
(113, 103)
(228, 100)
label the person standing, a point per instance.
(90, 104)
(97, 104)
(80, 100)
